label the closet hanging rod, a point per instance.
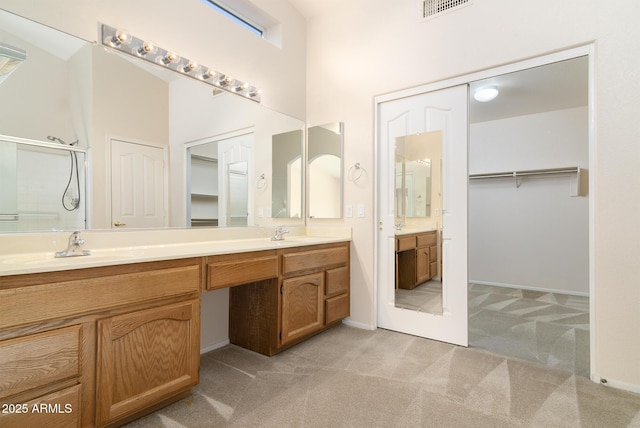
(511, 174)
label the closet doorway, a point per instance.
(529, 226)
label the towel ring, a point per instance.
(261, 182)
(355, 172)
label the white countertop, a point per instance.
(147, 248)
(410, 231)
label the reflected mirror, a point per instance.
(418, 207)
(286, 164)
(324, 164)
(94, 96)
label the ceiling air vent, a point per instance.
(433, 8)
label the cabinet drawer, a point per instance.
(426, 239)
(39, 360)
(336, 308)
(227, 273)
(405, 243)
(337, 281)
(314, 259)
(60, 409)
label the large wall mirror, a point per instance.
(70, 91)
(324, 167)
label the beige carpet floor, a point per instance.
(548, 328)
(348, 377)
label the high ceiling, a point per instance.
(311, 8)
(551, 87)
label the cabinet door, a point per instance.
(145, 357)
(302, 306)
(422, 265)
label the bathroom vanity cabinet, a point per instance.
(281, 297)
(100, 345)
(416, 259)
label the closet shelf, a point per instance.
(575, 188)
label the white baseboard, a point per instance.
(612, 383)
(527, 287)
(213, 347)
(359, 325)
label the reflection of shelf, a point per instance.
(203, 196)
(202, 222)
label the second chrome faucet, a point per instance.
(279, 236)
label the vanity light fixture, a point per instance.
(124, 42)
(485, 94)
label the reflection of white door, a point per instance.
(444, 110)
(138, 185)
(235, 148)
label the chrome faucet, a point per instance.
(399, 226)
(73, 248)
(279, 236)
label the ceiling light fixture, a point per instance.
(124, 42)
(485, 94)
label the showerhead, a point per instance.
(61, 141)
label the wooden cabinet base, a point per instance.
(309, 295)
(252, 309)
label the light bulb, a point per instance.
(168, 58)
(146, 48)
(120, 37)
(207, 74)
(190, 66)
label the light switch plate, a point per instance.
(360, 210)
(349, 211)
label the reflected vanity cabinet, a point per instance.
(416, 259)
(98, 346)
(281, 297)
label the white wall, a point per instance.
(369, 47)
(534, 236)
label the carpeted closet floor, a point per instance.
(548, 328)
(349, 377)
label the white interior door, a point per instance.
(235, 149)
(445, 111)
(138, 185)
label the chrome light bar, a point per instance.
(124, 42)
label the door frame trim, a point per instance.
(588, 50)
